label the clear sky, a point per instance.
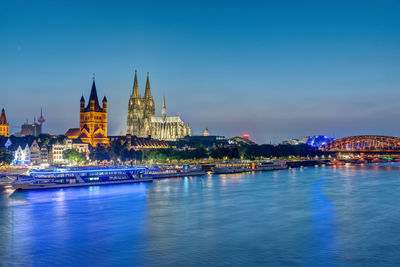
(274, 69)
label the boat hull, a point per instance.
(177, 175)
(229, 170)
(28, 186)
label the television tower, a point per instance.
(41, 119)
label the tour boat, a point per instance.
(6, 180)
(44, 179)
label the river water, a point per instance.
(316, 216)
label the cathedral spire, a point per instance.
(147, 93)
(164, 108)
(136, 87)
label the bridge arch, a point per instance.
(364, 144)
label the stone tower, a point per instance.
(4, 125)
(135, 115)
(149, 108)
(93, 119)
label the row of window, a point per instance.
(91, 117)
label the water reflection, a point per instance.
(71, 226)
(324, 216)
(323, 220)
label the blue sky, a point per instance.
(274, 69)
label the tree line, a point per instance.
(119, 152)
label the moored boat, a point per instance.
(6, 180)
(39, 179)
(186, 170)
(239, 167)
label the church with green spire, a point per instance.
(143, 122)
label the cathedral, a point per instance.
(142, 121)
(4, 125)
(93, 121)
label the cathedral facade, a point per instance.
(93, 120)
(142, 121)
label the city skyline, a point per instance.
(275, 71)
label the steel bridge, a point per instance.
(364, 144)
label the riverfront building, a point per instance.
(139, 143)
(206, 139)
(22, 156)
(142, 121)
(4, 125)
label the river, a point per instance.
(325, 216)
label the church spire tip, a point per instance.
(147, 93)
(135, 86)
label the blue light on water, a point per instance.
(290, 217)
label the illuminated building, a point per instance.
(292, 142)
(22, 156)
(35, 153)
(57, 149)
(318, 140)
(206, 132)
(237, 140)
(206, 139)
(93, 121)
(44, 155)
(4, 125)
(56, 153)
(139, 143)
(142, 121)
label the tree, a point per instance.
(157, 155)
(199, 153)
(74, 156)
(99, 153)
(127, 155)
(6, 157)
(115, 150)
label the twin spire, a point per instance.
(147, 93)
(136, 87)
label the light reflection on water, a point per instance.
(344, 216)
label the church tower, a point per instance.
(135, 111)
(4, 125)
(149, 108)
(93, 119)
